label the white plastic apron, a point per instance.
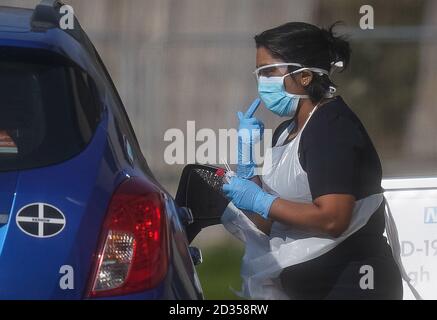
(266, 256)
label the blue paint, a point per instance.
(80, 187)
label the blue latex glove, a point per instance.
(247, 195)
(250, 132)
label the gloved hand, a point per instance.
(247, 195)
(250, 132)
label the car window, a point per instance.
(48, 110)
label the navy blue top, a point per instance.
(339, 158)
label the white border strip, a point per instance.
(409, 183)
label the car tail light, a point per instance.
(133, 250)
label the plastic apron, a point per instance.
(266, 256)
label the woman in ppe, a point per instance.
(317, 210)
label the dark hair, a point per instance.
(310, 46)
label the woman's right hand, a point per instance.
(250, 132)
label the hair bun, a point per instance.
(339, 48)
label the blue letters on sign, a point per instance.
(430, 215)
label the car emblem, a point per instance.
(40, 220)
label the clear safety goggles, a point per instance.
(282, 69)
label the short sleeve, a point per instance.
(330, 155)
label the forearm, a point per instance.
(328, 214)
(261, 223)
(307, 216)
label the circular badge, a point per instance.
(40, 220)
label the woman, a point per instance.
(323, 181)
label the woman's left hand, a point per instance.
(247, 195)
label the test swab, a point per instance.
(229, 173)
(252, 109)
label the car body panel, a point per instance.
(80, 188)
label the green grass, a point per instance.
(220, 270)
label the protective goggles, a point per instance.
(283, 69)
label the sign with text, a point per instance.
(413, 203)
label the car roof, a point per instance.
(36, 22)
(15, 19)
(39, 28)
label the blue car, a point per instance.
(81, 214)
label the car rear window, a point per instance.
(48, 109)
